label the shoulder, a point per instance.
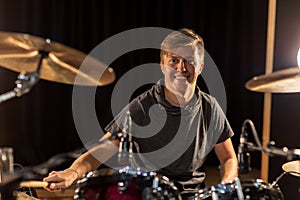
(139, 107)
(207, 98)
(145, 99)
(208, 101)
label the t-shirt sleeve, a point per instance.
(221, 125)
(227, 133)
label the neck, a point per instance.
(179, 99)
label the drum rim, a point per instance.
(126, 170)
(110, 175)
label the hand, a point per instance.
(60, 180)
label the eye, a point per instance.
(173, 60)
(190, 62)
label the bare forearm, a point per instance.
(229, 170)
(84, 164)
(87, 162)
(92, 159)
(228, 160)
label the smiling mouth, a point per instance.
(180, 77)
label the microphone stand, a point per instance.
(244, 159)
(273, 151)
(270, 150)
(25, 82)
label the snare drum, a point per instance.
(125, 184)
(250, 189)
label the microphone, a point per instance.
(125, 145)
(243, 152)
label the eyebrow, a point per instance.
(174, 56)
(177, 56)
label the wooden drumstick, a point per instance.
(34, 184)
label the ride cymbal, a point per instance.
(292, 167)
(21, 52)
(281, 81)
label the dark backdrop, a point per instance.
(41, 121)
(40, 124)
(285, 129)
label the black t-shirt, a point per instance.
(170, 139)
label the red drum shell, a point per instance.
(110, 184)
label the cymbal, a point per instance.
(292, 167)
(21, 52)
(281, 81)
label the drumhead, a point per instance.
(107, 176)
(125, 183)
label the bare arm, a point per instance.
(87, 162)
(227, 157)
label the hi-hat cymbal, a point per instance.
(21, 52)
(281, 81)
(292, 167)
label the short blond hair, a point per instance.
(182, 37)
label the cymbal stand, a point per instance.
(278, 178)
(25, 82)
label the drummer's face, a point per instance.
(181, 69)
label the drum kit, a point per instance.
(38, 58)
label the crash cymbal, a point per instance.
(281, 81)
(292, 167)
(21, 52)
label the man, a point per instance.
(184, 124)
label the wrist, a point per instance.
(75, 172)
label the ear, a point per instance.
(162, 67)
(201, 68)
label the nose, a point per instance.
(181, 66)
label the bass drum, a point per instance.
(250, 189)
(125, 184)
